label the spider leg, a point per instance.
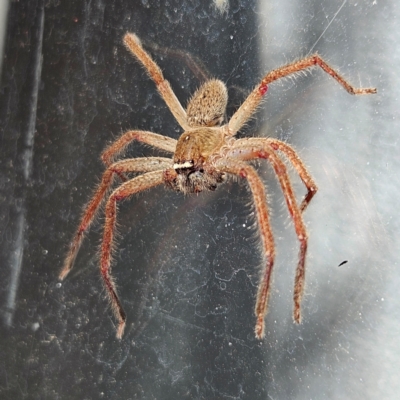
(193, 63)
(152, 139)
(294, 159)
(239, 168)
(247, 109)
(120, 167)
(127, 189)
(252, 149)
(133, 44)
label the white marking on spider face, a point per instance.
(186, 164)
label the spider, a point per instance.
(203, 157)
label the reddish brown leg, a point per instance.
(247, 109)
(152, 139)
(195, 64)
(127, 189)
(259, 148)
(294, 159)
(133, 44)
(309, 62)
(243, 170)
(131, 165)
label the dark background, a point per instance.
(187, 268)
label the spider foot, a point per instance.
(259, 330)
(297, 314)
(121, 329)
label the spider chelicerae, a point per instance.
(202, 158)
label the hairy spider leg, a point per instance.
(249, 106)
(152, 139)
(294, 159)
(249, 149)
(193, 63)
(301, 169)
(127, 189)
(119, 146)
(145, 164)
(239, 168)
(133, 44)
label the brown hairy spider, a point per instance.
(203, 157)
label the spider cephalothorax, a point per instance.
(192, 172)
(204, 155)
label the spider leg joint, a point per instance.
(262, 154)
(263, 89)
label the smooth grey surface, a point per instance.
(187, 268)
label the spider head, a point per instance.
(208, 105)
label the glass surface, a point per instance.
(187, 268)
